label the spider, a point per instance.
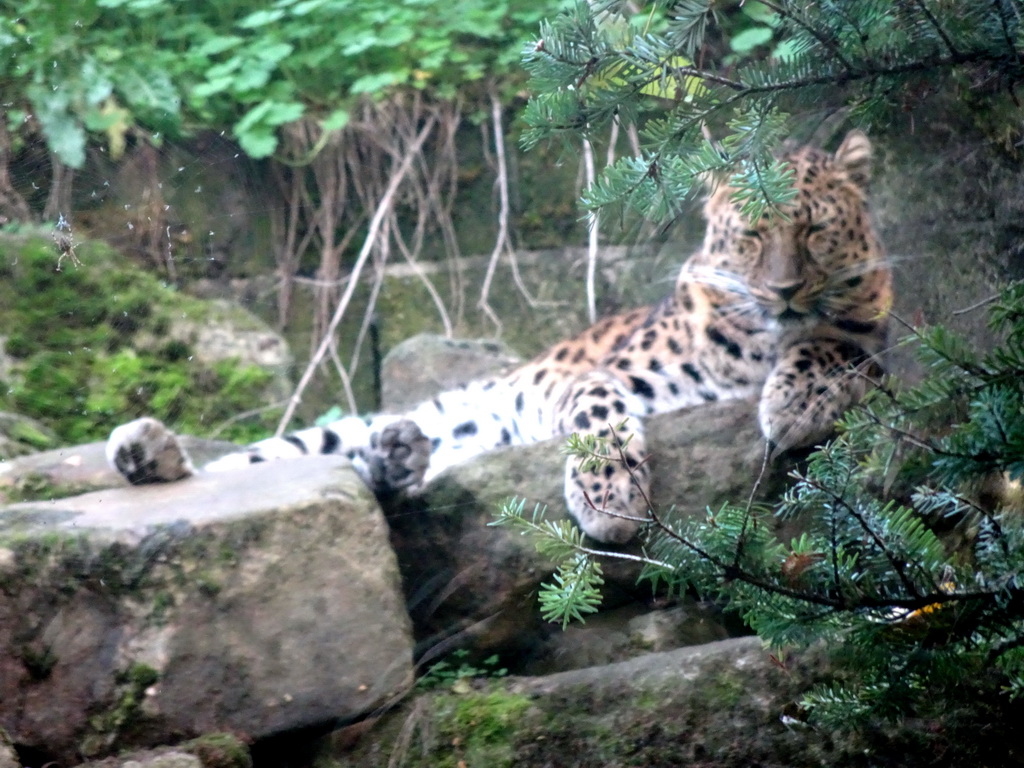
(64, 239)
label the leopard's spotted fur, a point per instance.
(789, 307)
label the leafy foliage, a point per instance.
(919, 617)
(111, 67)
(446, 674)
(707, 107)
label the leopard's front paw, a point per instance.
(795, 418)
(396, 458)
(146, 451)
(608, 504)
(794, 424)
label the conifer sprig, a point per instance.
(662, 71)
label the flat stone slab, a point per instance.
(253, 602)
(76, 469)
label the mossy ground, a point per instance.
(726, 712)
(89, 349)
(220, 750)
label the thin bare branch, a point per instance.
(346, 382)
(397, 176)
(593, 232)
(213, 433)
(409, 255)
(501, 244)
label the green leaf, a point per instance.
(331, 414)
(306, 7)
(335, 121)
(760, 12)
(218, 44)
(261, 18)
(273, 113)
(148, 89)
(378, 82)
(257, 144)
(255, 131)
(64, 134)
(275, 52)
(251, 78)
(212, 86)
(748, 39)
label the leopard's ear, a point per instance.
(854, 157)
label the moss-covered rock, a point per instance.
(220, 750)
(213, 750)
(88, 345)
(253, 602)
(728, 704)
(20, 435)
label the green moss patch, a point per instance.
(220, 750)
(87, 347)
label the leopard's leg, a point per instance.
(812, 385)
(609, 502)
(390, 453)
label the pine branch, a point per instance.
(1004, 23)
(817, 34)
(938, 27)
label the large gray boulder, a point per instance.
(419, 367)
(476, 584)
(253, 602)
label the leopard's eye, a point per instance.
(818, 240)
(748, 243)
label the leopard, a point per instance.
(791, 309)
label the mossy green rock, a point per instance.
(253, 602)
(727, 704)
(20, 435)
(85, 346)
(714, 705)
(213, 750)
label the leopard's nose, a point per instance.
(786, 291)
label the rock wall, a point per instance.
(948, 201)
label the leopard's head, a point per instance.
(817, 260)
